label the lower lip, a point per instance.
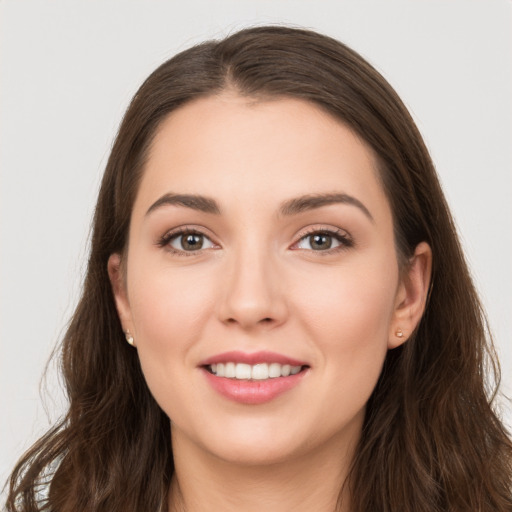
(253, 392)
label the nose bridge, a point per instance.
(252, 291)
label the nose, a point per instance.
(253, 295)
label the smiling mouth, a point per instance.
(260, 371)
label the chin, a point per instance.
(255, 454)
(251, 443)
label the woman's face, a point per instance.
(261, 245)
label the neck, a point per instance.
(312, 481)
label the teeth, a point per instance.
(243, 371)
(274, 370)
(230, 370)
(261, 371)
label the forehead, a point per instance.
(262, 151)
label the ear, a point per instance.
(411, 296)
(117, 281)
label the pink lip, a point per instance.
(254, 358)
(252, 392)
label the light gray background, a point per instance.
(69, 68)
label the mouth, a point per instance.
(255, 378)
(260, 371)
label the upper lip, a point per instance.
(251, 358)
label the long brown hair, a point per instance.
(430, 442)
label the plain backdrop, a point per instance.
(69, 68)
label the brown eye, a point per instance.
(190, 242)
(324, 241)
(320, 242)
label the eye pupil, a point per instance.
(320, 241)
(192, 242)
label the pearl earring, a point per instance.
(399, 333)
(129, 338)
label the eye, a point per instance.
(187, 241)
(324, 241)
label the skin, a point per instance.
(258, 284)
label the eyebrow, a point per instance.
(193, 201)
(312, 201)
(290, 207)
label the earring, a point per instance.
(399, 333)
(129, 338)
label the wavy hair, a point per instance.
(431, 441)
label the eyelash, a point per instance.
(341, 236)
(166, 239)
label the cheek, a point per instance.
(169, 311)
(348, 314)
(350, 301)
(167, 305)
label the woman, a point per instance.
(277, 314)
